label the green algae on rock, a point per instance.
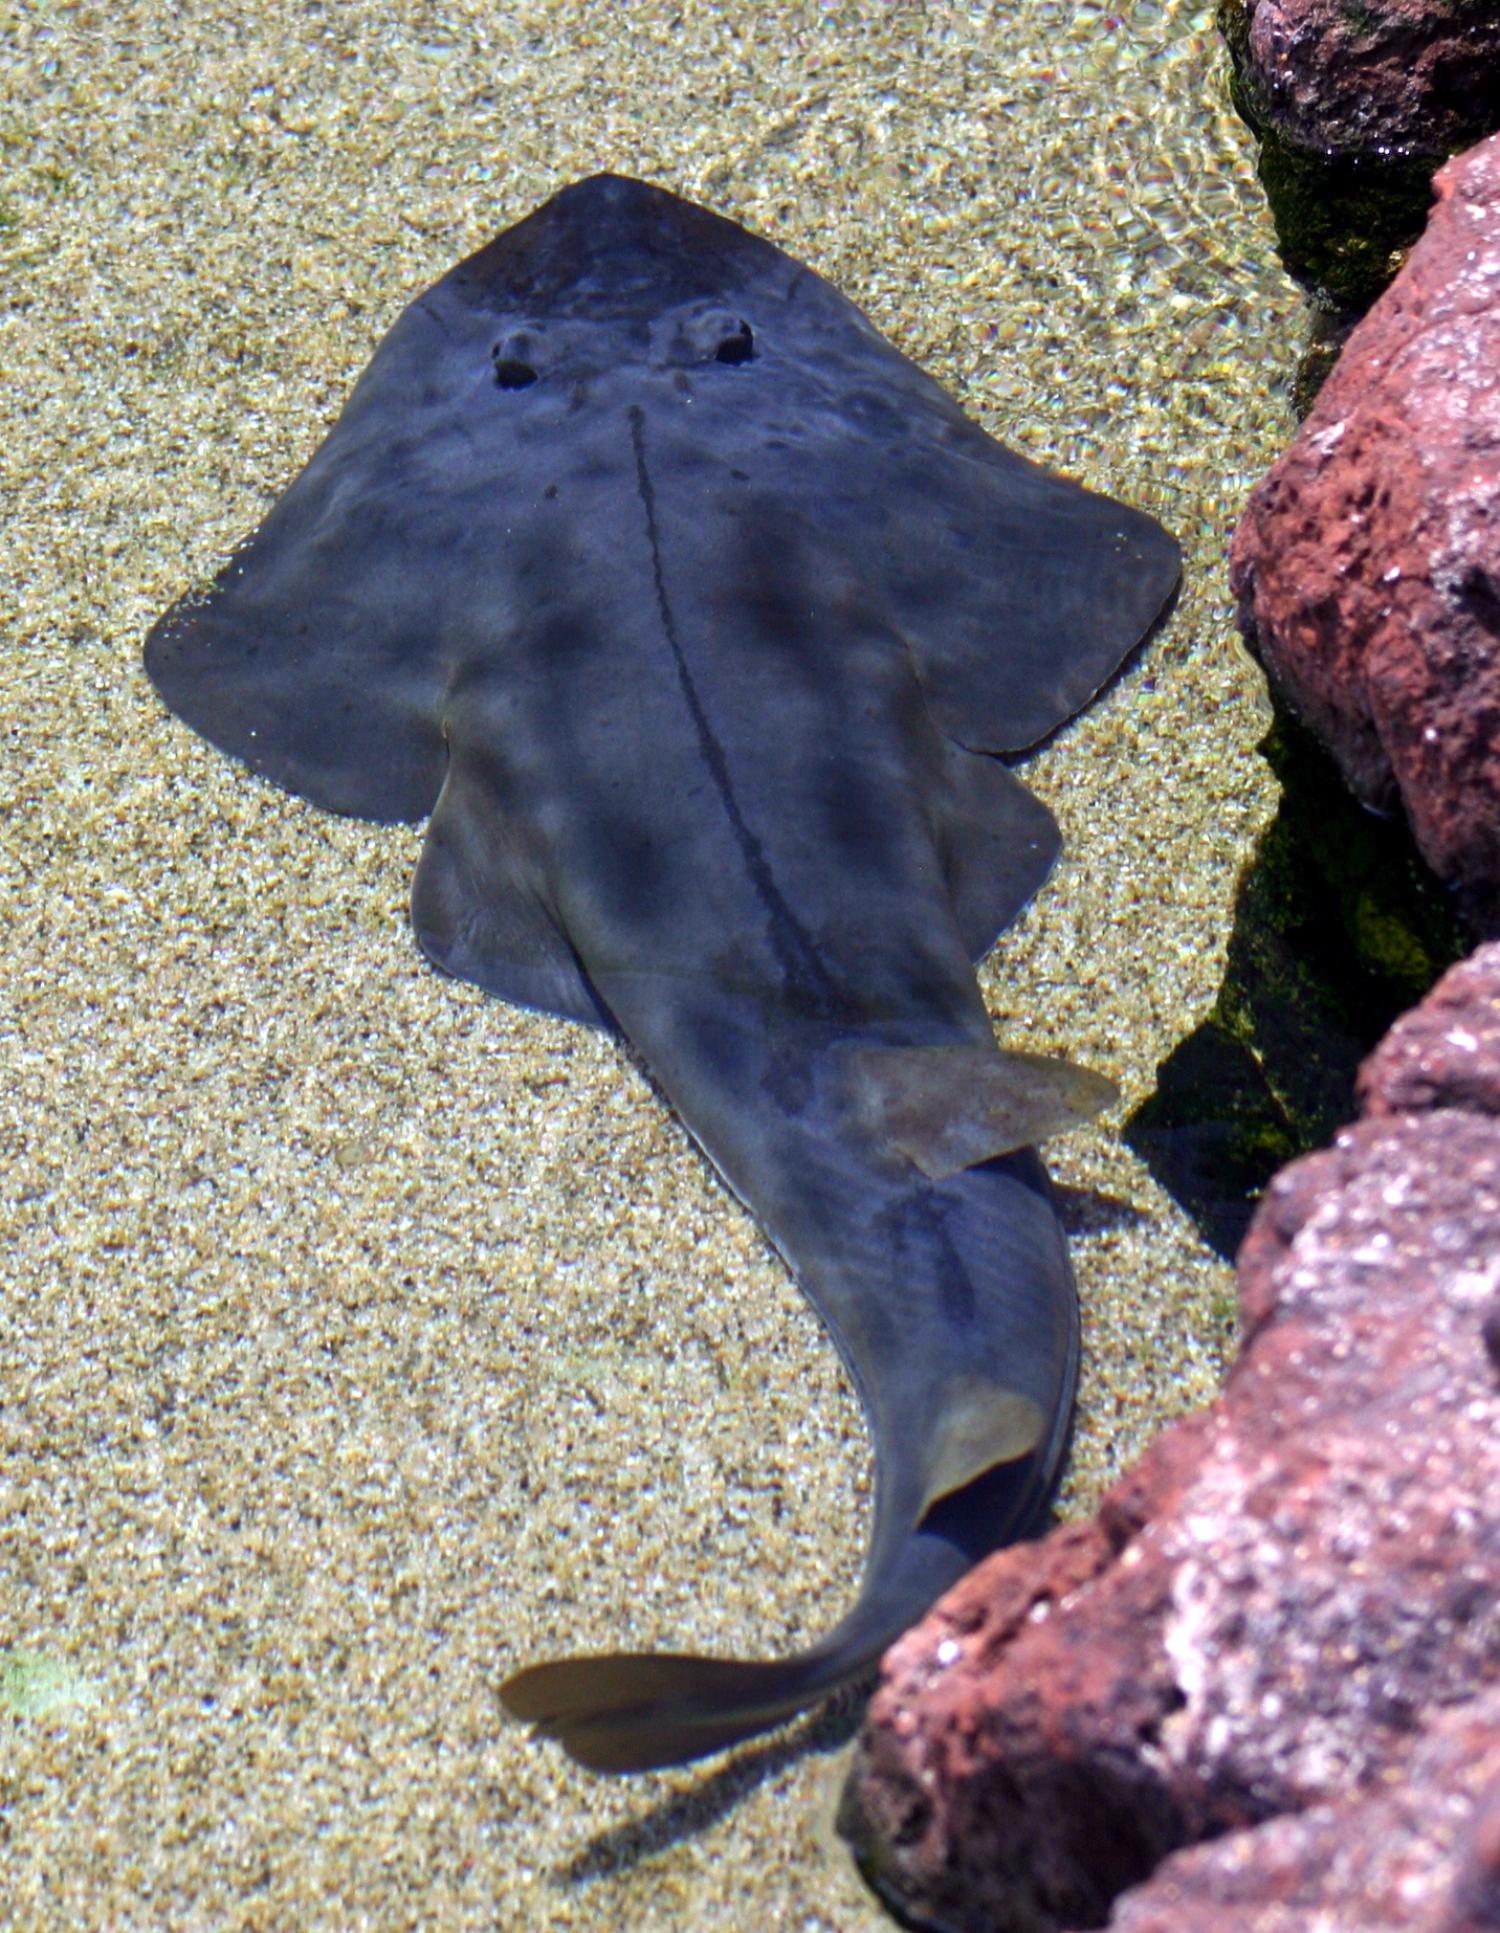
(1339, 927)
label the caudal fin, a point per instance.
(634, 1711)
(628, 1711)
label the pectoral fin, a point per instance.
(949, 1108)
(477, 914)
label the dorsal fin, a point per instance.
(949, 1108)
(982, 1423)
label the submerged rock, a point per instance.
(1409, 77)
(1354, 107)
(1367, 564)
(1284, 1623)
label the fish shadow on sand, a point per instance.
(714, 1794)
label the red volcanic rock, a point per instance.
(1416, 76)
(1291, 1603)
(1445, 1053)
(1367, 564)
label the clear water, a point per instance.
(363, 1338)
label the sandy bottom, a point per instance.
(363, 1338)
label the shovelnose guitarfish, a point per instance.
(698, 618)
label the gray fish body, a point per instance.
(694, 614)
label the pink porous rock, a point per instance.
(1281, 1632)
(1367, 564)
(1422, 1856)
